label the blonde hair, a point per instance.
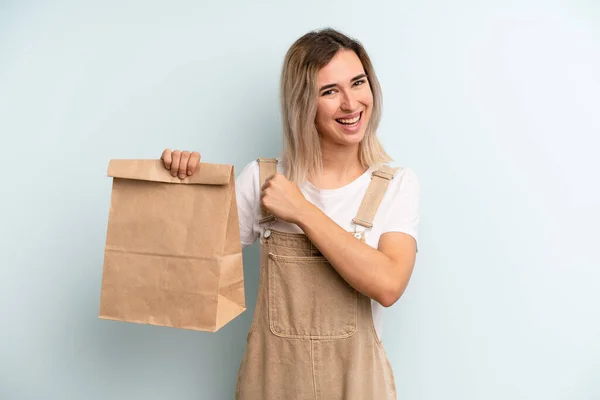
(302, 156)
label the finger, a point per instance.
(175, 162)
(185, 157)
(193, 163)
(166, 157)
(267, 182)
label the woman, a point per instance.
(337, 228)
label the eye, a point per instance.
(359, 82)
(328, 92)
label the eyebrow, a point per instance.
(331, 85)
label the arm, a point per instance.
(381, 274)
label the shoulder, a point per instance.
(248, 171)
(405, 179)
(247, 179)
(402, 203)
(403, 194)
(250, 175)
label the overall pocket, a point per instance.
(309, 299)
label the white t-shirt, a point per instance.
(398, 211)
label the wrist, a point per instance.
(305, 215)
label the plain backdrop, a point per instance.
(495, 105)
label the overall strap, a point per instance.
(380, 180)
(267, 167)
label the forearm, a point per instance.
(366, 269)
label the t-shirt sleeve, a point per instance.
(246, 193)
(403, 215)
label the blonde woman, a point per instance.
(337, 228)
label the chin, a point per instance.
(345, 141)
(351, 138)
(355, 139)
(342, 137)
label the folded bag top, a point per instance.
(154, 170)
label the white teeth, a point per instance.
(349, 121)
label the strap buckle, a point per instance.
(363, 223)
(382, 174)
(360, 234)
(269, 218)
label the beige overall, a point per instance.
(312, 336)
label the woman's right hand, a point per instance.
(180, 163)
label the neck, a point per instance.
(341, 165)
(340, 160)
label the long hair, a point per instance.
(302, 156)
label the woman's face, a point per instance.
(345, 100)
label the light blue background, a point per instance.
(495, 105)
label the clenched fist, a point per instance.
(284, 199)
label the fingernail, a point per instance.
(181, 176)
(189, 172)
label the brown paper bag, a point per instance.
(173, 255)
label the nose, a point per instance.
(349, 102)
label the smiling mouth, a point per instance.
(350, 122)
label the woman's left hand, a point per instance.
(284, 199)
